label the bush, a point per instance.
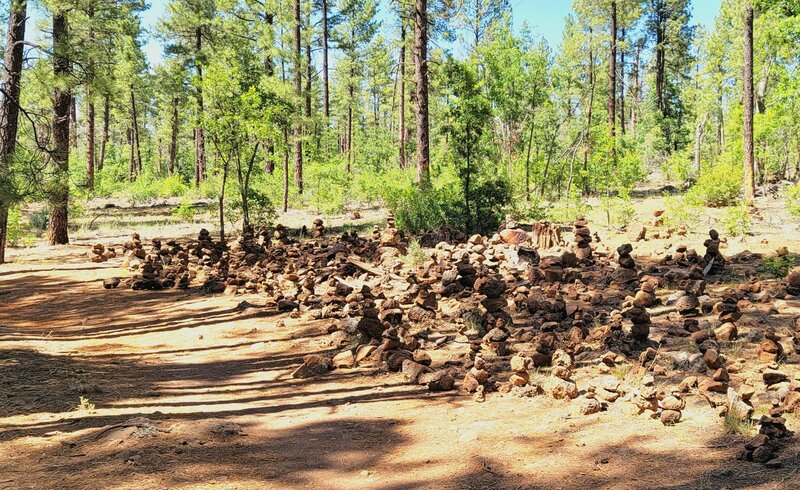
(736, 221)
(568, 210)
(423, 209)
(620, 211)
(793, 200)
(16, 228)
(778, 267)
(678, 212)
(719, 186)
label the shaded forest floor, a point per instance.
(190, 391)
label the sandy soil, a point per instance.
(190, 391)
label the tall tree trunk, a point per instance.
(135, 135)
(749, 160)
(199, 132)
(309, 76)
(9, 108)
(62, 98)
(622, 84)
(635, 90)
(173, 139)
(421, 71)
(612, 77)
(285, 169)
(325, 90)
(104, 139)
(698, 141)
(401, 75)
(660, 49)
(528, 162)
(587, 149)
(298, 88)
(90, 157)
(73, 124)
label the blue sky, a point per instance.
(544, 16)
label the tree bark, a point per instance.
(325, 89)
(421, 71)
(104, 139)
(135, 135)
(612, 76)
(9, 109)
(749, 160)
(285, 169)
(173, 139)
(73, 125)
(588, 130)
(698, 141)
(62, 99)
(199, 132)
(90, 157)
(298, 88)
(660, 67)
(635, 91)
(621, 79)
(401, 74)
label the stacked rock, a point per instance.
(728, 313)
(563, 385)
(134, 252)
(625, 273)
(281, 234)
(550, 269)
(770, 349)
(671, 408)
(763, 447)
(496, 338)
(583, 239)
(319, 228)
(687, 303)
(520, 366)
(714, 261)
(640, 330)
(425, 305)
(361, 304)
(477, 377)
(793, 283)
(715, 365)
(101, 254)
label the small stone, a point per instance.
(344, 359)
(670, 417)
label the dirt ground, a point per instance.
(191, 391)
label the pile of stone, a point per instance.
(319, 228)
(583, 239)
(281, 234)
(640, 319)
(714, 262)
(793, 282)
(671, 408)
(562, 385)
(728, 314)
(770, 349)
(101, 253)
(625, 274)
(764, 447)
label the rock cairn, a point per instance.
(101, 253)
(764, 447)
(583, 240)
(714, 261)
(319, 228)
(728, 314)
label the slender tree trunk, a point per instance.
(698, 141)
(421, 71)
(634, 121)
(622, 84)
(660, 56)
(285, 169)
(587, 149)
(90, 157)
(749, 160)
(528, 162)
(62, 99)
(173, 139)
(612, 76)
(9, 108)
(199, 131)
(106, 122)
(135, 135)
(298, 88)
(131, 155)
(73, 124)
(325, 89)
(401, 74)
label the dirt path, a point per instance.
(192, 391)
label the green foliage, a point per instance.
(778, 267)
(186, 211)
(793, 200)
(619, 210)
(16, 228)
(415, 255)
(678, 212)
(569, 209)
(423, 209)
(719, 186)
(736, 221)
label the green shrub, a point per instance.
(415, 255)
(678, 212)
(568, 210)
(620, 211)
(423, 209)
(719, 186)
(793, 200)
(778, 267)
(186, 211)
(736, 221)
(16, 228)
